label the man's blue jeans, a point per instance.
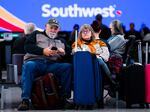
(35, 68)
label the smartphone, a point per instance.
(54, 48)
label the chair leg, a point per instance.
(147, 105)
(117, 99)
(2, 97)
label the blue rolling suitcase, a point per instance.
(87, 79)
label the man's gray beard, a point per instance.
(52, 35)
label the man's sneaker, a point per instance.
(24, 105)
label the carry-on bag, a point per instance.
(45, 93)
(133, 81)
(87, 79)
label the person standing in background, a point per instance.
(18, 45)
(105, 31)
(133, 32)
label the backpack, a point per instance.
(115, 63)
(45, 92)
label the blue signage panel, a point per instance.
(70, 12)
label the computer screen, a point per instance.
(16, 13)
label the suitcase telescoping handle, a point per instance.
(76, 38)
(139, 52)
(146, 53)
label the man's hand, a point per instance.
(48, 52)
(60, 51)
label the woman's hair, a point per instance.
(86, 26)
(116, 27)
(96, 26)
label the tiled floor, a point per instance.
(102, 110)
(12, 98)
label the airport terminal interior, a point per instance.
(11, 88)
(111, 38)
